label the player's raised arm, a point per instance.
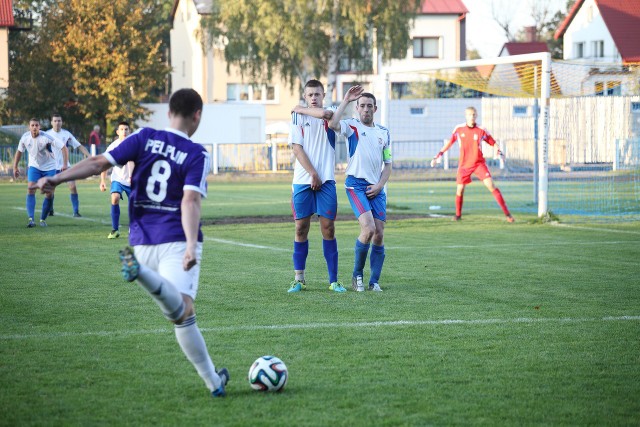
(444, 149)
(317, 112)
(352, 94)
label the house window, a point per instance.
(614, 88)
(635, 107)
(579, 50)
(426, 47)
(399, 90)
(253, 93)
(598, 49)
(599, 88)
(417, 111)
(520, 111)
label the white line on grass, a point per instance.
(443, 322)
(247, 245)
(82, 218)
(504, 245)
(608, 230)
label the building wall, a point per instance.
(588, 26)
(4, 58)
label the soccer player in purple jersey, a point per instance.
(168, 183)
(368, 170)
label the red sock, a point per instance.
(458, 205)
(498, 196)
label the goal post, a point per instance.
(563, 127)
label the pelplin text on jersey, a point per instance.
(158, 147)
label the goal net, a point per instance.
(570, 133)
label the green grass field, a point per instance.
(480, 322)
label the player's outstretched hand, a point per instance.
(433, 163)
(353, 93)
(44, 185)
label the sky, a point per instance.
(485, 35)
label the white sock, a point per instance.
(163, 292)
(193, 346)
(300, 276)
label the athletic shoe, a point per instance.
(77, 215)
(297, 286)
(510, 219)
(456, 218)
(374, 287)
(51, 212)
(114, 234)
(130, 265)
(42, 223)
(356, 284)
(31, 224)
(224, 377)
(337, 287)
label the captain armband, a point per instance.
(386, 154)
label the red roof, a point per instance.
(443, 7)
(6, 13)
(622, 18)
(516, 48)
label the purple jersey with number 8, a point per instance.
(167, 162)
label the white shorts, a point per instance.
(166, 260)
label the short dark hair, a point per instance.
(56, 115)
(33, 119)
(314, 83)
(368, 95)
(185, 102)
(123, 123)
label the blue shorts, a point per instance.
(305, 202)
(34, 174)
(360, 203)
(116, 187)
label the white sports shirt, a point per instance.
(368, 147)
(40, 150)
(318, 142)
(121, 174)
(68, 139)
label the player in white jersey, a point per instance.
(71, 142)
(314, 186)
(120, 181)
(169, 181)
(42, 162)
(368, 170)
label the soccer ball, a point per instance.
(268, 373)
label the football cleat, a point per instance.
(114, 234)
(43, 223)
(456, 218)
(356, 284)
(77, 215)
(224, 377)
(130, 265)
(31, 224)
(51, 213)
(297, 286)
(337, 287)
(374, 287)
(510, 219)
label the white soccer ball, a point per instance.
(268, 373)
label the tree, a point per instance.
(92, 61)
(301, 39)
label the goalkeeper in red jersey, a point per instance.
(470, 136)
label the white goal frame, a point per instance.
(544, 101)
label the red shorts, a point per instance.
(480, 169)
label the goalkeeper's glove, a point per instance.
(436, 158)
